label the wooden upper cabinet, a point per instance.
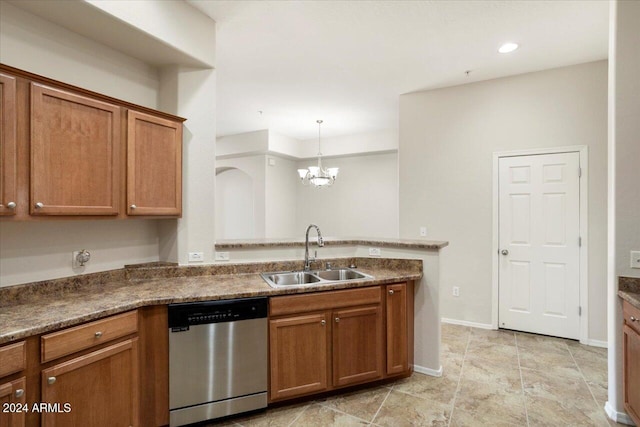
(8, 153)
(154, 165)
(75, 154)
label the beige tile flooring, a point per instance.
(491, 378)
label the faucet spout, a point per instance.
(307, 260)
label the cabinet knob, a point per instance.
(337, 320)
(504, 252)
(39, 205)
(51, 380)
(11, 205)
(132, 207)
(633, 319)
(98, 334)
(19, 392)
(323, 322)
(390, 291)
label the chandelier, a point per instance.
(317, 175)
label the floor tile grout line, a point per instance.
(300, 414)
(524, 396)
(583, 377)
(381, 405)
(455, 395)
(344, 413)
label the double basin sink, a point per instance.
(315, 277)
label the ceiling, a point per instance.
(347, 62)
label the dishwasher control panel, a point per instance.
(181, 316)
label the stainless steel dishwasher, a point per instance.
(217, 359)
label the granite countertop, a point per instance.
(332, 241)
(37, 308)
(629, 290)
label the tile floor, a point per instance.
(491, 378)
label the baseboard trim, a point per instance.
(619, 417)
(467, 323)
(597, 343)
(427, 371)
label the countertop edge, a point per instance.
(393, 243)
(632, 298)
(144, 302)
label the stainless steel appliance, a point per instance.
(217, 359)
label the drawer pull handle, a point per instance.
(98, 334)
(390, 291)
(51, 380)
(323, 322)
(19, 392)
(633, 319)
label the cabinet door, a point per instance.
(12, 398)
(357, 345)
(100, 387)
(154, 165)
(8, 153)
(397, 331)
(298, 350)
(631, 375)
(75, 143)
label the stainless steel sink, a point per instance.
(316, 277)
(290, 278)
(339, 274)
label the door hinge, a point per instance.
(580, 242)
(579, 172)
(579, 310)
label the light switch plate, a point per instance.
(374, 252)
(196, 256)
(222, 256)
(635, 259)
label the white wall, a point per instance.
(281, 197)
(362, 202)
(254, 166)
(447, 138)
(36, 45)
(234, 205)
(624, 175)
(42, 250)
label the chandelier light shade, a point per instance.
(317, 175)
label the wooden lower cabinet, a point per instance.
(299, 355)
(13, 398)
(357, 345)
(631, 361)
(340, 341)
(97, 389)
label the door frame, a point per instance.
(583, 152)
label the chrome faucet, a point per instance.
(307, 260)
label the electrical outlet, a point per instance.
(456, 291)
(374, 252)
(196, 256)
(635, 259)
(222, 256)
(423, 231)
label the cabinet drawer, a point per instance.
(324, 300)
(629, 312)
(13, 358)
(69, 341)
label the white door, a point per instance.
(539, 223)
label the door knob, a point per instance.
(337, 320)
(51, 380)
(11, 205)
(390, 291)
(19, 392)
(323, 322)
(132, 207)
(39, 205)
(504, 252)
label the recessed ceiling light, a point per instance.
(508, 47)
